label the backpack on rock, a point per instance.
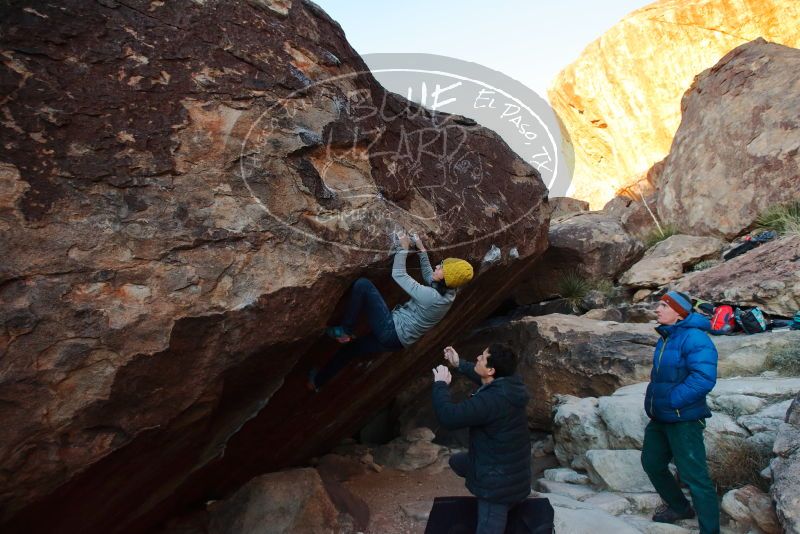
(751, 321)
(723, 321)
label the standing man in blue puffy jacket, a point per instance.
(684, 371)
(497, 467)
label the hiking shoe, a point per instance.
(339, 334)
(311, 383)
(665, 514)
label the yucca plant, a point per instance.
(573, 286)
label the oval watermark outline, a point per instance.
(362, 248)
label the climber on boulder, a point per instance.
(394, 330)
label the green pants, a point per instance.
(682, 442)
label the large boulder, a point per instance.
(594, 246)
(617, 422)
(570, 355)
(768, 277)
(288, 502)
(749, 355)
(620, 100)
(577, 428)
(750, 507)
(618, 470)
(785, 488)
(728, 164)
(188, 189)
(561, 206)
(667, 260)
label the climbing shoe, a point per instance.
(665, 514)
(339, 334)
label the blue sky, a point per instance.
(530, 41)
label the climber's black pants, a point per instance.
(364, 298)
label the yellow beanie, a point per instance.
(456, 272)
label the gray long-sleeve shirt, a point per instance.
(426, 307)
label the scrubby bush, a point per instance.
(606, 287)
(735, 462)
(783, 218)
(657, 235)
(785, 360)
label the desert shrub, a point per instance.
(782, 218)
(785, 360)
(735, 462)
(573, 286)
(705, 264)
(657, 235)
(604, 286)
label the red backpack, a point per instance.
(724, 320)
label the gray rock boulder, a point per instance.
(748, 355)
(785, 490)
(618, 470)
(667, 260)
(578, 428)
(287, 501)
(410, 452)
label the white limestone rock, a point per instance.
(565, 474)
(619, 470)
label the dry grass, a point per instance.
(785, 360)
(784, 218)
(736, 462)
(656, 235)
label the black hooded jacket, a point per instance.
(499, 441)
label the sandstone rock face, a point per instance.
(747, 355)
(636, 214)
(750, 507)
(768, 277)
(570, 355)
(724, 153)
(785, 488)
(562, 206)
(288, 502)
(667, 260)
(410, 452)
(592, 245)
(184, 201)
(621, 100)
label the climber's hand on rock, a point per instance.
(442, 374)
(404, 240)
(451, 356)
(418, 243)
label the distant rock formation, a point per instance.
(183, 202)
(620, 100)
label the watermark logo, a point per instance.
(310, 159)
